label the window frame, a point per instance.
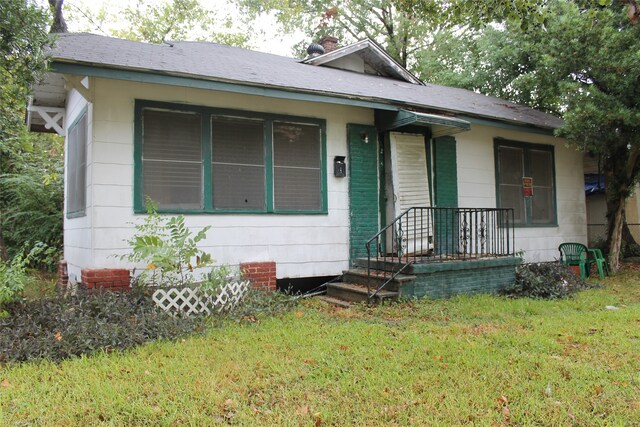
(208, 113)
(526, 147)
(80, 173)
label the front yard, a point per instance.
(478, 360)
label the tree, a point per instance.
(163, 21)
(582, 65)
(23, 38)
(402, 27)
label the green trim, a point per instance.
(199, 83)
(207, 159)
(496, 123)
(268, 164)
(399, 120)
(206, 114)
(83, 211)
(526, 147)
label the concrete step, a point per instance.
(335, 301)
(360, 277)
(356, 293)
(382, 264)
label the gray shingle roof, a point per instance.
(217, 62)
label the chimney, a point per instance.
(329, 43)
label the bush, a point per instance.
(62, 327)
(13, 274)
(546, 281)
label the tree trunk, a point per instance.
(615, 221)
(59, 25)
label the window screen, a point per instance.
(511, 173)
(238, 163)
(76, 167)
(517, 161)
(296, 167)
(542, 173)
(172, 159)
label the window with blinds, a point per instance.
(296, 167)
(77, 167)
(516, 161)
(238, 163)
(199, 159)
(172, 159)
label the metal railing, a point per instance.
(429, 234)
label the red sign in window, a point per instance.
(527, 186)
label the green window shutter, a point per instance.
(445, 172)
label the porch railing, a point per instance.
(429, 234)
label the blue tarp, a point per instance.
(593, 184)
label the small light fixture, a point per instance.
(364, 137)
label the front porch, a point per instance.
(434, 252)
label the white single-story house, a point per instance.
(294, 163)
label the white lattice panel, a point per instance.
(196, 300)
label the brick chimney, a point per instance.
(329, 43)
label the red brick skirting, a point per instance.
(261, 274)
(112, 279)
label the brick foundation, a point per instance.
(63, 274)
(261, 274)
(107, 279)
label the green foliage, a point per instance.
(23, 38)
(33, 194)
(157, 22)
(471, 360)
(168, 248)
(258, 303)
(58, 328)
(13, 274)
(401, 27)
(545, 281)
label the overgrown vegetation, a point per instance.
(65, 326)
(169, 250)
(61, 327)
(549, 280)
(469, 360)
(14, 275)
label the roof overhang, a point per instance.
(440, 125)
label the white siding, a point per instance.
(477, 188)
(301, 245)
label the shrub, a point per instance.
(13, 274)
(546, 281)
(61, 327)
(168, 248)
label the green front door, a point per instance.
(363, 187)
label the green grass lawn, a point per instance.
(477, 360)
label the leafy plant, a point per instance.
(545, 281)
(58, 328)
(168, 248)
(13, 274)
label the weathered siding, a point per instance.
(477, 188)
(301, 245)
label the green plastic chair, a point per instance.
(601, 262)
(577, 254)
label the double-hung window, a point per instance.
(525, 177)
(197, 159)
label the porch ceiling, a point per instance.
(440, 125)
